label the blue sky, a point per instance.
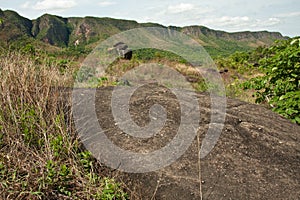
(230, 15)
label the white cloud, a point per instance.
(179, 8)
(50, 5)
(232, 21)
(271, 21)
(181, 14)
(291, 14)
(106, 3)
(240, 22)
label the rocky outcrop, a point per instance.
(256, 157)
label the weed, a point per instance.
(111, 190)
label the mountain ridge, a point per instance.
(65, 32)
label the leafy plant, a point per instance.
(28, 119)
(111, 190)
(280, 86)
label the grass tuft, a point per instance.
(41, 156)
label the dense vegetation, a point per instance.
(280, 84)
(268, 76)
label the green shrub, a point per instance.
(280, 86)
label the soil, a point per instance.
(256, 157)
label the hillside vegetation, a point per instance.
(88, 31)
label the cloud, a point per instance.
(179, 8)
(291, 14)
(181, 14)
(271, 21)
(106, 3)
(50, 5)
(232, 21)
(241, 22)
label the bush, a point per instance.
(280, 86)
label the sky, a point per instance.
(231, 15)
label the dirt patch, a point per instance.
(256, 157)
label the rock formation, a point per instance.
(256, 157)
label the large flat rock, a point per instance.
(256, 157)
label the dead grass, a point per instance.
(40, 155)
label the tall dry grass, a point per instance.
(40, 154)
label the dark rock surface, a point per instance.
(256, 157)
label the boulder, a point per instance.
(122, 50)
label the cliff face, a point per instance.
(64, 32)
(51, 29)
(223, 42)
(240, 36)
(91, 29)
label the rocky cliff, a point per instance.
(64, 32)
